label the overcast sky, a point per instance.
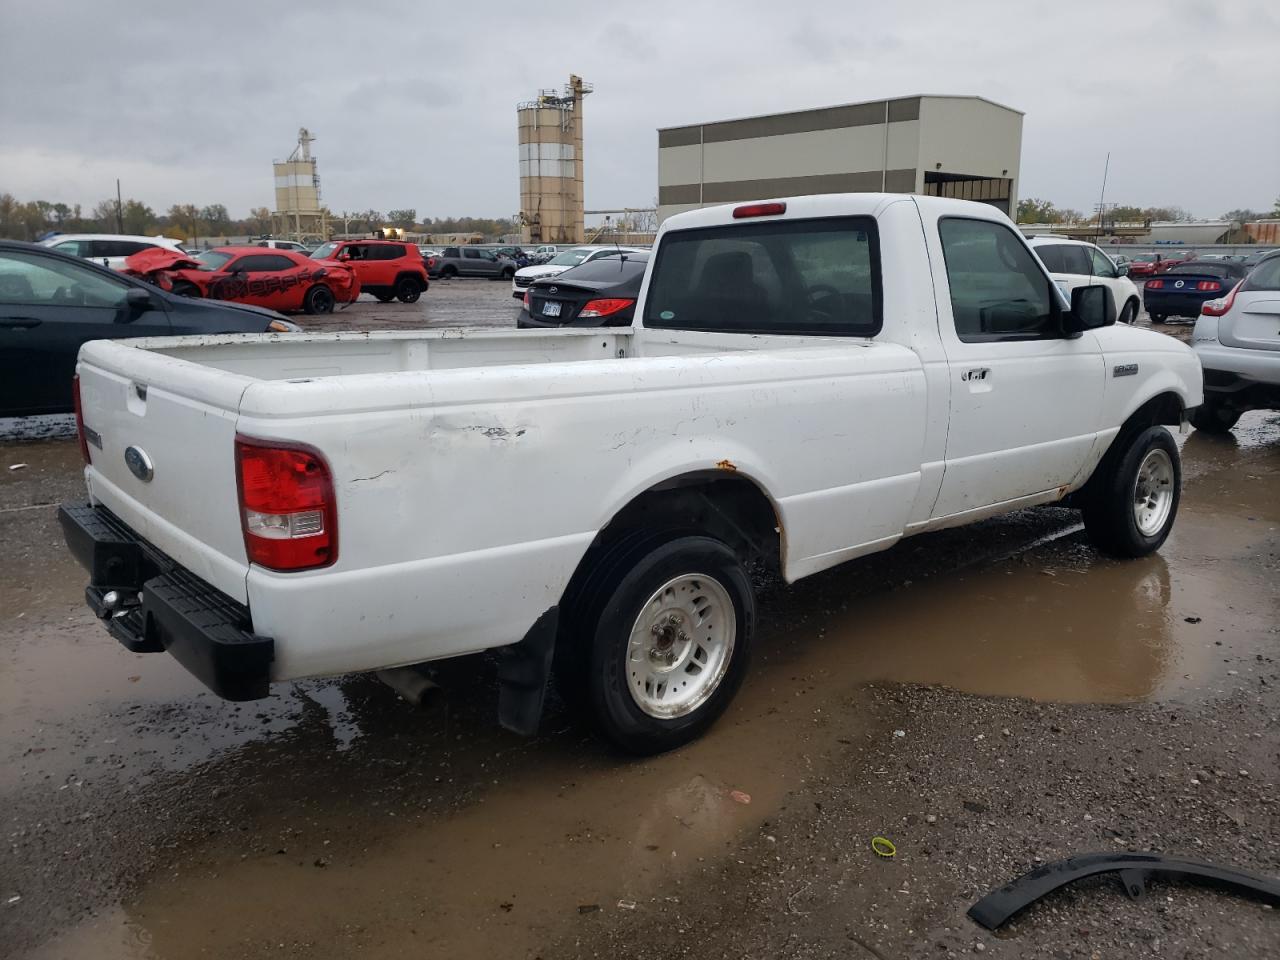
(413, 104)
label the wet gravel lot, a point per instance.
(988, 698)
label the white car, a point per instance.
(560, 263)
(806, 381)
(109, 249)
(1074, 263)
(1237, 339)
(293, 245)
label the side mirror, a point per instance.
(343, 255)
(1122, 270)
(136, 302)
(1091, 308)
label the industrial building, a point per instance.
(966, 147)
(299, 214)
(550, 137)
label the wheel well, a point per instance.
(1164, 408)
(729, 508)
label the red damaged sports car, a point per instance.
(276, 279)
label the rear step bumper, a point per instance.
(151, 604)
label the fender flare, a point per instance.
(1134, 869)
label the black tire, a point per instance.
(408, 289)
(1129, 313)
(385, 297)
(184, 288)
(1215, 416)
(1157, 317)
(1111, 504)
(508, 273)
(319, 299)
(448, 273)
(592, 650)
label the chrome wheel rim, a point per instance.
(680, 646)
(1153, 492)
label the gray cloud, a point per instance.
(415, 108)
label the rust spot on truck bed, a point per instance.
(727, 465)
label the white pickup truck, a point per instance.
(807, 381)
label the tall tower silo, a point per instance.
(299, 213)
(550, 134)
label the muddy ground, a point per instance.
(988, 698)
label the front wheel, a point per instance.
(319, 299)
(1133, 498)
(184, 288)
(1214, 416)
(408, 290)
(385, 297)
(668, 642)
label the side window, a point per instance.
(53, 281)
(263, 263)
(803, 277)
(77, 248)
(127, 248)
(1051, 256)
(998, 291)
(450, 252)
(1102, 265)
(469, 254)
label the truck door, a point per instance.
(1025, 399)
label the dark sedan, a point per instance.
(1183, 289)
(51, 303)
(599, 293)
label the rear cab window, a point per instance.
(1265, 276)
(800, 277)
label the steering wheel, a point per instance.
(817, 293)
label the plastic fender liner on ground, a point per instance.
(1134, 869)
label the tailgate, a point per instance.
(1253, 322)
(162, 455)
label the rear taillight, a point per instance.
(1208, 286)
(1221, 306)
(287, 507)
(605, 307)
(526, 300)
(431, 261)
(1154, 284)
(759, 210)
(75, 402)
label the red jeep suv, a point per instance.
(386, 268)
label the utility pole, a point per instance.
(119, 209)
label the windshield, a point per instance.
(324, 251)
(212, 259)
(570, 257)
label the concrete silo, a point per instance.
(299, 214)
(550, 134)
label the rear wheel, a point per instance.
(319, 299)
(448, 273)
(385, 297)
(1130, 312)
(1214, 415)
(1158, 318)
(508, 273)
(1133, 498)
(408, 290)
(660, 639)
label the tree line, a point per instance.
(1035, 210)
(32, 219)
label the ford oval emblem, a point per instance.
(1178, 284)
(553, 289)
(139, 464)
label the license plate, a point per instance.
(551, 309)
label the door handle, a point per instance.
(20, 323)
